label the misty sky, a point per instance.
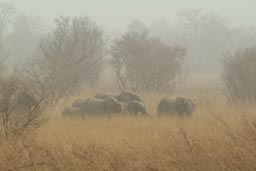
(116, 14)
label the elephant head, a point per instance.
(184, 106)
(137, 108)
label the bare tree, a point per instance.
(68, 58)
(239, 75)
(20, 109)
(24, 29)
(6, 11)
(207, 35)
(136, 26)
(16, 113)
(144, 63)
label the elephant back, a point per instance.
(71, 111)
(180, 106)
(127, 96)
(78, 103)
(166, 106)
(105, 96)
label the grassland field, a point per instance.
(219, 137)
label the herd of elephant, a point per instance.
(128, 103)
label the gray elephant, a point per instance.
(127, 96)
(136, 108)
(78, 103)
(99, 106)
(72, 111)
(104, 96)
(180, 106)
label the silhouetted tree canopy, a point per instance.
(239, 75)
(69, 57)
(145, 63)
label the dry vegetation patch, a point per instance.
(218, 137)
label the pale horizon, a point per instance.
(117, 14)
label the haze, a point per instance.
(116, 14)
(151, 85)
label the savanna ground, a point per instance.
(219, 136)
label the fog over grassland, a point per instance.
(128, 85)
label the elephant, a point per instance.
(104, 96)
(180, 106)
(136, 108)
(78, 103)
(72, 111)
(101, 106)
(126, 96)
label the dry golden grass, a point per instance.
(218, 137)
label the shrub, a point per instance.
(239, 75)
